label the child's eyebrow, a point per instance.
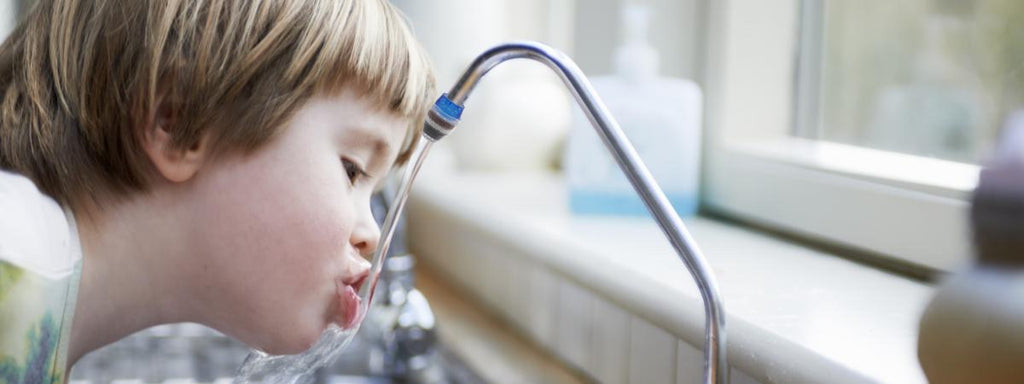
(380, 146)
(374, 140)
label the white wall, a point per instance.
(589, 30)
(8, 17)
(518, 117)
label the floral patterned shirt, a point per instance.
(40, 266)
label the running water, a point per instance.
(260, 367)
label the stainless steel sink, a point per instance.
(448, 368)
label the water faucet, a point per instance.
(404, 324)
(445, 115)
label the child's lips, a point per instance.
(350, 307)
(349, 303)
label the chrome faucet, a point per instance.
(404, 322)
(447, 111)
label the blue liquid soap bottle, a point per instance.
(661, 116)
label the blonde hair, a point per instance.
(79, 78)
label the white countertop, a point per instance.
(793, 314)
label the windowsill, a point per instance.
(793, 314)
(941, 178)
(860, 198)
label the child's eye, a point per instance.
(353, 171)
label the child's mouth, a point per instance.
(349, 303)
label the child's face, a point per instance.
(278, 234)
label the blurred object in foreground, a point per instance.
(973, 330)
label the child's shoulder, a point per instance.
(39, 274)
(36, 233)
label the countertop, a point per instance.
(794, 314)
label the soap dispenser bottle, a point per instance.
(661, 116)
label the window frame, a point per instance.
(908, 209)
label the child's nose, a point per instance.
(366, 234)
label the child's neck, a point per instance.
(129, 278)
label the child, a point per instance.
(186, 160)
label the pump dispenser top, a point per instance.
(636, 59)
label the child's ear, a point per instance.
(174, 164)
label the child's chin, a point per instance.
(294, 343)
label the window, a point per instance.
(924, 77)
(859, 123)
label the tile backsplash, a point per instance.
(587, 332)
